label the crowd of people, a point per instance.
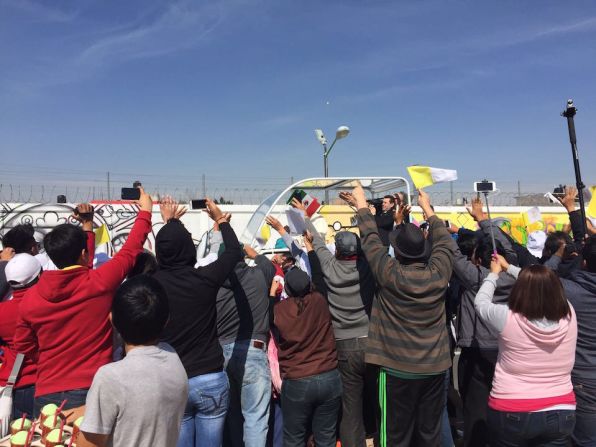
(348, 341)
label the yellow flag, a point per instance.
(424, 176)
(102, 236)
(265, 233)
(592, 206)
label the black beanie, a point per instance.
(297, 283)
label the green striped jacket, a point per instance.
(407, 328)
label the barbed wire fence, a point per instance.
(235, 194)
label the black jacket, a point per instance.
(385, 224)
(191, 291)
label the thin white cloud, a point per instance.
(182, 25)
(37, 11)
(177, 26)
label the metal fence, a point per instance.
(238, 195)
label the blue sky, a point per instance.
(167, 91)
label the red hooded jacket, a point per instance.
(9, 312)
(65, 317)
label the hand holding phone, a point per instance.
(199, 204)
(130, 194)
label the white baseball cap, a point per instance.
(21, 270)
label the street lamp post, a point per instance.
(342, 132)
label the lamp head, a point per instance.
(342, 132)
(320, 136)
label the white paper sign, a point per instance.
(534, 215)
(296, 221)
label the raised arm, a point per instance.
(315, 265)
(485, 225)
(441, 255)
(218, 271)
(575, 217)
(277, 226)
(326, 258)
(84, 214)
(113, 272)
(381, 264)
(492, 314)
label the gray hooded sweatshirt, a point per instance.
(350, 289)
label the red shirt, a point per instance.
(65, 317)
(9, 312)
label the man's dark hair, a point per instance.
(140, 310)
(466, 243)
(553, 241)
(538, 294)
(287, 257)
(391, 199)
(64, 244)
(20, 238)
(145, 264)
(589, 254)
(483, 251)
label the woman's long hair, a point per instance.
(538, 294)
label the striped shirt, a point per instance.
(407, 331)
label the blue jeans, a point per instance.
(311, 402)
(205, 412)
(74, 399)
(542, 428)
(23, 401)
(250, 393)
(584, 434)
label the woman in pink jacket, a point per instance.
(531, 402)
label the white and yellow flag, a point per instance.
(423, 176)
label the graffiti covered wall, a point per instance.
(118, 218)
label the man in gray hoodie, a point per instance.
(350, 291)
(243, 330)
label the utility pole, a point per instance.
(204, 186)
(109, 191)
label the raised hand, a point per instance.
(226, 217)
(568, 200)
(475, 210)
(359, 196)
(498, 264)
(401, 213)
(308, 241)
(424, 203)
(275, 224)
(214, 212)
(297, 204)
(348, 198)
(170, 209)
(83, 213)
(145, 202)
(274, 286)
